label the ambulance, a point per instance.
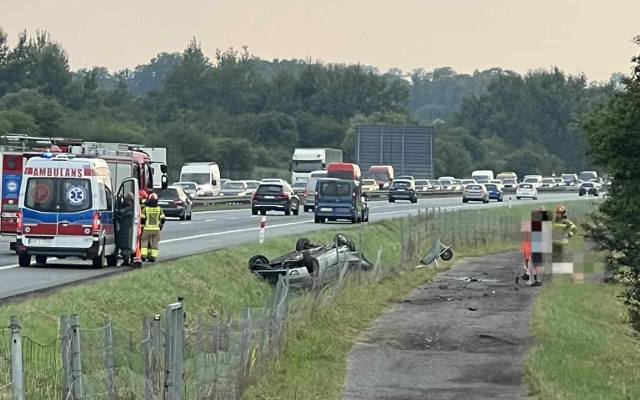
(67, 208)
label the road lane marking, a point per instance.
(231, 232)
(9, 266)
(210, 220)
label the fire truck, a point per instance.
(124, 160)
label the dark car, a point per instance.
(495, 193)
(274, 196)
(403, 190)
(175, 202)
(340, 199)
(588, 189)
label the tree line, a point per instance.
(244, 112)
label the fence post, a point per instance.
(151, 329)
(17, 381)
(76, 363)
(109, 362)
(65, 348)
(173, 352)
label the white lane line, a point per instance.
(232, 231)
(210, 220)
(221, 211)
(9, 266)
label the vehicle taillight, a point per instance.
(305, 194)
(96, 224)
(19, 223)
(284, 196)
(178, 202)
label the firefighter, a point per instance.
(137, 257)
(152, 222)
(563, 230)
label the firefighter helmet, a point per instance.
(561, 210)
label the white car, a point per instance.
(547, 183)
(527, 190)
(369, 185)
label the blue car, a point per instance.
(495, 191)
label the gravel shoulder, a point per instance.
(462, 336)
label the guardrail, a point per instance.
(373, 195)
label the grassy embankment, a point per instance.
(585, 347)
(220, 283)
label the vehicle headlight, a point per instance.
(293, 272)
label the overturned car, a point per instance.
(311, 261)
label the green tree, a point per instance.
(612, 132)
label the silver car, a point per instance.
(475, 192)
(309, 195)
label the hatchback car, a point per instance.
(174, 202)
(252, 186)
(589, 189)
(509, 183)
(475, 192)
(402, 189)
(369, 185)
(275, 197)
(527, 190)
(547, 183)
(495, 191)
(422, 185)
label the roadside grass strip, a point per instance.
(585, 347)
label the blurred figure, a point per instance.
(153, 221)
(563, 230)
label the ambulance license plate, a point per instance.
(40, 242)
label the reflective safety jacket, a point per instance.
(152, 218)
(563, 229)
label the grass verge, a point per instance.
(585, 347)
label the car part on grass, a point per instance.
(311, 260)
(438, 250)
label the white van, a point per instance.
(309, 195)
(67, 209)
(535, 180)
(482, 175)
(205, 174)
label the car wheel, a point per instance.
(500, 199)
(306, 209)
(41, 260)
(414, 200)
(287, 211)
(24, 260)
(112, 260)
(183, 216)
(190, 216)
(259, 262)
(323, 220)
(303, 244)
(465, 200)
(485, 201)
(354, 219)
(296, 210)
(391, 200)
(263, 212)
(99, 261)
(254, 211)
(316, 220)
(517, 198)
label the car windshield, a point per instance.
(401, 185)
(368, 182)
(253, 185)
(491, 186)
(531, 180)
(548, 180)
(305, 165)
(58, 195)
(525, 186)
(474, 187)
(233, 186)
(168, 193)
(269, 189)
(197, 177)
(335, 189)
(446, 182)
(510, 181)
(587, 184)
(422, 182)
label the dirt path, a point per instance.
(433, 345)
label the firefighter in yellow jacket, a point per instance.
(563, 230)
(152, 223)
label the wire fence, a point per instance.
(170, 356)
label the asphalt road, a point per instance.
(211, 230)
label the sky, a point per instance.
(590, 37)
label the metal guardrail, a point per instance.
(373, 195)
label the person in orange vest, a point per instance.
(137, 256)
(152, 220)
(525, 247)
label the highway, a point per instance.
(213, 230)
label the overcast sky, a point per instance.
(590, 37)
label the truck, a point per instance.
(305, 160)
(409, 149)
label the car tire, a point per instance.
(190, 216)
(296, 211)
(259, 262)
(100, 260)
(303, 244)
(41, 260)
(24, 260)
(535, 198)
(183, 216)
(263, 212)
(500, 199)
(323, 220)
(391, 200)
(254, 211)
(354, 219)
(414, 200)
(517, 198)
(112, 260)
(306, 209)
(287, 211)
(316, 220)
(465, 200)
(447, 255)
(485, 201)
